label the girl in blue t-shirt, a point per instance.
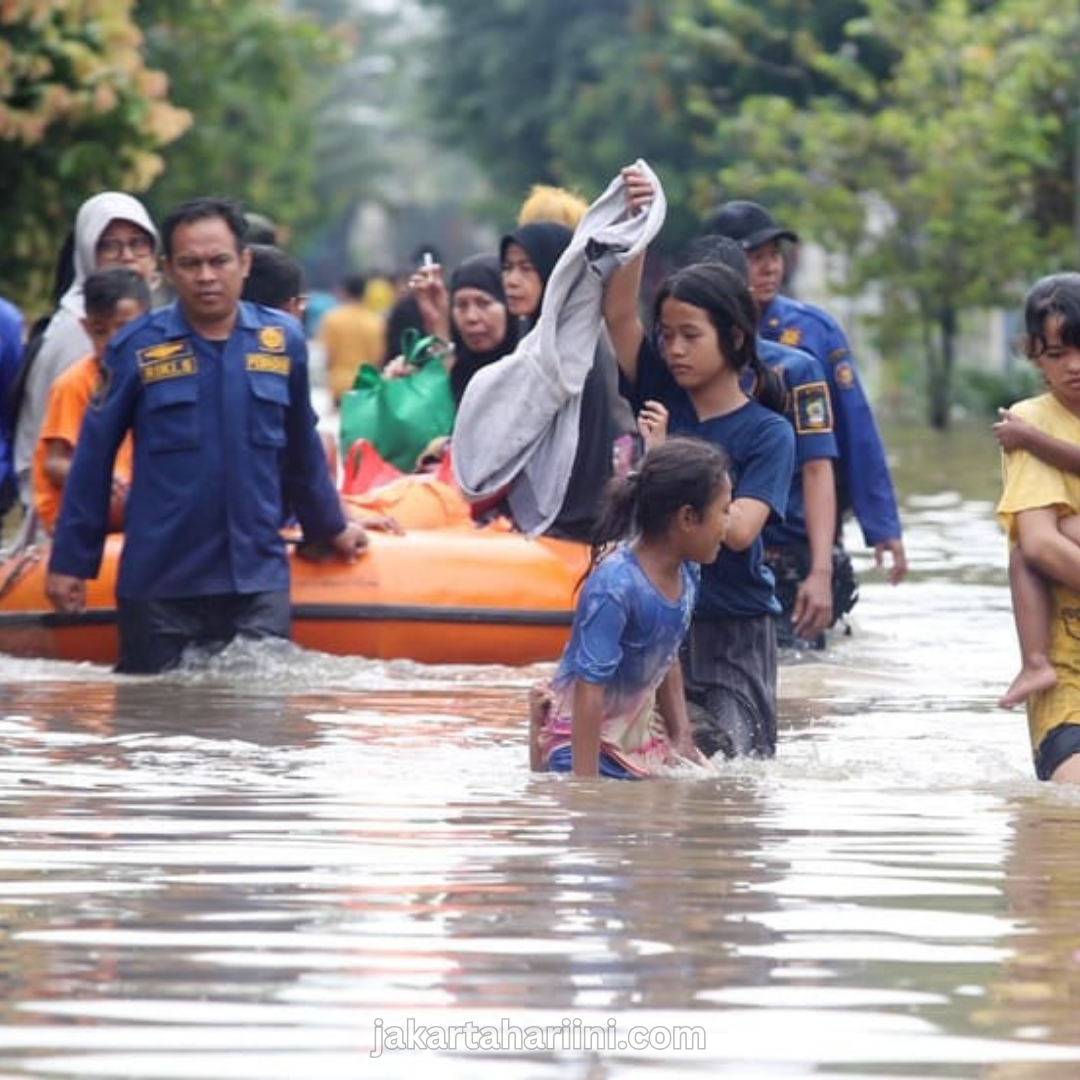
(616, 706)
(705, 327)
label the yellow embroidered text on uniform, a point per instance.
(156, 371)
(276, 365)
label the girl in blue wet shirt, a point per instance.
(704, 340)
(616, 705)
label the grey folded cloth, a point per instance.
(517, 423)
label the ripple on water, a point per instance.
(237, 870)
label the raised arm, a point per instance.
(623, 317)
(622, 313)
(433, 299)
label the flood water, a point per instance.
(294, 866)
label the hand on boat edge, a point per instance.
(351, 541)
(66, 593)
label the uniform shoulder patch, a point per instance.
(271, 339)
(844, 374)
(791, 335)
(813, 410)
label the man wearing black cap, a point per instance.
(863, 477)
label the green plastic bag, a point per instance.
(399, 417)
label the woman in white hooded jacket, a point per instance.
(111, 229)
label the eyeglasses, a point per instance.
(138, 245)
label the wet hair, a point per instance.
(275, 277)
(725, 298)
(678, 472)
(200, 209)
(106, 287)
(1054, 296)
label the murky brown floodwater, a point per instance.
(269, 869)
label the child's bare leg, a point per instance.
(539, 706)
(1032, 613)
(1068, 772)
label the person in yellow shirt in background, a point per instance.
(352, 335)
(547, 203)
(113, 296)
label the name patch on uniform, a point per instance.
(272, 339)
(792, 336)
(813, 412)
(844, 374)
(175, 367)
(276, 365)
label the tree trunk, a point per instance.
(941, 357)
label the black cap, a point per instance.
(748, 223)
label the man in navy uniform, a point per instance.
(866, 487)
(216, 393)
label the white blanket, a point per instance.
(517, 423)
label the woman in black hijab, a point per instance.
(529, 255)
(482, 328)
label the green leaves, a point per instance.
(253, 78)
(80, 111)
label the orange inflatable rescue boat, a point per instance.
(446, 595)
(445, 591)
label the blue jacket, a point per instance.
(808, 407)
(225, 438)
(865, 484)
(11, 347)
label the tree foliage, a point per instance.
(253, 78)
(933, 142)
(945, 186)
(560, 92)
(80, 111)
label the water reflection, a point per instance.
(239, 871)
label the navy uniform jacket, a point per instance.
(808, 407)
(865, 484)
(224, 436)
